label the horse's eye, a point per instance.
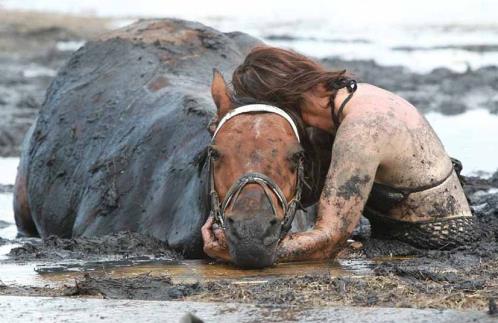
(296, 157)
(213, 153)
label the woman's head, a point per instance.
(283, 78)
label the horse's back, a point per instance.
(119, 141)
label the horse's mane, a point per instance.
(317, 145)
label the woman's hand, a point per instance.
(215, 245)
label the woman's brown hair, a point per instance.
(281, 77)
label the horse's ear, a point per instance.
(220, 94)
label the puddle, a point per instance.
(186, 271)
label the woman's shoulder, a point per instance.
(374, 90)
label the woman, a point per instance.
(383, 149)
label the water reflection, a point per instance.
(186, 271)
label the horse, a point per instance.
(122, 143)
(260, 175)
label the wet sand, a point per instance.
(15, 309)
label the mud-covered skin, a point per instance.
(120, 139)
(382, 138)
(443, 201)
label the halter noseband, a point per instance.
(218, 208)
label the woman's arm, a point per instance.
(356, 155)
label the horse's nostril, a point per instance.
(230, 220)
(273, 222)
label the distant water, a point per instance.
(471, 137)
(8, 170)
(420, 35)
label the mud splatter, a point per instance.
(352, 187)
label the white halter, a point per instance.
(258, 108)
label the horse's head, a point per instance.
(256, 162)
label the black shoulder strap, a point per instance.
(351, 85)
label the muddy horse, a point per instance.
(122, 143)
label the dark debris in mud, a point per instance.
(400, 289)
(404, 289)
(392, 290)
(125, 244)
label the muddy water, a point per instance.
(186, 271)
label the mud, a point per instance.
(143, 287)
(123, 244)
(474, 184)
(401, 275)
